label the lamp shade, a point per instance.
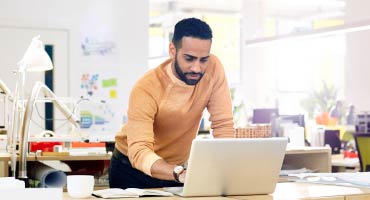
(36, 58)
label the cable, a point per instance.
(66, 119)
(49, 119)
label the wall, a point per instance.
(358, 59)
(123, 22)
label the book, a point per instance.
(112, 193)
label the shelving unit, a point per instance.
(363, 124)
(313, 158)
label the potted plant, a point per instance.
(319, 102)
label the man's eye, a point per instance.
(189, 59)
(203, 60)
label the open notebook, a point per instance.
(113, 193)
(233, 166)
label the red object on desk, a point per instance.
(43, 146)
(350, 154)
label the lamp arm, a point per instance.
(22, 172)
(61, 106)
(5, 88)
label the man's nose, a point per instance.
(195, 67)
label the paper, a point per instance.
(112, 193)
(358, 179)
(48, 176)
(286, 172)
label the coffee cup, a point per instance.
(80, 186)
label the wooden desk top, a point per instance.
(33, 157)
(285, 191)
(307, 150)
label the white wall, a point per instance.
(124, 22)
(357, 71)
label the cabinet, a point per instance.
(314, 158)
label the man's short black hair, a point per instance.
(191, 27)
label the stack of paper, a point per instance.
(359, 179)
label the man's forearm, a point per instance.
(162, 170)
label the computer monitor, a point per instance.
(331, 137)
(264, 115)
(295, 119)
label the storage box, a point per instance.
(254, 131)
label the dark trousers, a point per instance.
(123, 175)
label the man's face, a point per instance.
(190, 60)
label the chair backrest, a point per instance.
(363, 148)
(331, 137)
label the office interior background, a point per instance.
(276, 53)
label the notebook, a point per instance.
(233, 166)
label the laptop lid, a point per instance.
(234, 166)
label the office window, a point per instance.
(302, 66)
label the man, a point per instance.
(165, 110)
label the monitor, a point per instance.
(264, 115)
(331, 137)
(296, 119)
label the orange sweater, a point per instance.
(164, 115)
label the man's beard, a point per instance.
(182, 75)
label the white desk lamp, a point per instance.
(8, 97)
(23, 148)
(34, 59)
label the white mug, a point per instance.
(80, 186)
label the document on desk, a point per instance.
(112, 193)
(358, 179)
(286, 172)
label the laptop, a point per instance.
(233, 166)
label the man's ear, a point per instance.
(172, 50)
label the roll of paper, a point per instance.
(48, 176)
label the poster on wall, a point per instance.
(99, 47)
(99, 111)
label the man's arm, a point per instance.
(220, 105)
(139, 129)
(162, 170)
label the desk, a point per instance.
(341, 164)
(314, 158)
(5, 158)
(285, 191)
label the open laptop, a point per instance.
(233, 166)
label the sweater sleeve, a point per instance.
(140, 135)
(219, 105)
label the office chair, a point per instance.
(331, 137)
(363, 148)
